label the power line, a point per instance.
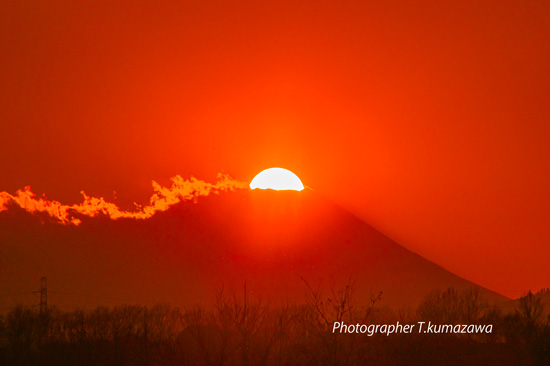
(43, 293)
(18, 294)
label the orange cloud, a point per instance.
(163, 198)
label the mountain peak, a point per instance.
(272, 240)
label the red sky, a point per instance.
(428, 120)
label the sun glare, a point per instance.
(278, 179)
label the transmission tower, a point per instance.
(43, 296)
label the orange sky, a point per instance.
(428, 120)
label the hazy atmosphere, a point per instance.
(244, 182)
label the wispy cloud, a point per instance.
(162, 199)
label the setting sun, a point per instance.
(277, 179)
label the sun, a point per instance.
(278, 179)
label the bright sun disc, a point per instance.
(278, 179)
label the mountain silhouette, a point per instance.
(272, 241)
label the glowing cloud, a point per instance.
(163, 198)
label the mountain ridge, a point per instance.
(271, 240)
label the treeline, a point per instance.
(239, 330)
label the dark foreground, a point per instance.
(238, 330)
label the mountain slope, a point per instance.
(270, 240)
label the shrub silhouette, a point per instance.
(241, 330)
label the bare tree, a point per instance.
(530, 308)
